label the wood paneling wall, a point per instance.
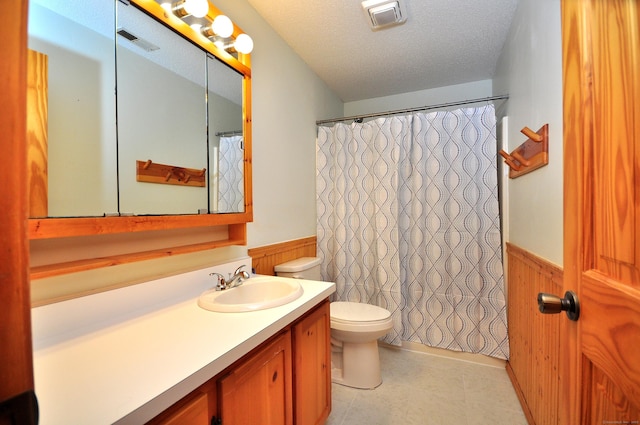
(534, 338)
(265, 258)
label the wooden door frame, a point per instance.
(16, 370)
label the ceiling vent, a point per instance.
(384, 13)
(140, 42)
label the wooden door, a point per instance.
(259, 390)
(17, 401)
(312, 367)
(601, 67)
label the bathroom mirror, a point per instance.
(176, 105)
(162, 114)
(77, 109)
(93, 185)
(226, 139)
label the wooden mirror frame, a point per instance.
(48, 228)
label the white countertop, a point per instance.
(123, 356)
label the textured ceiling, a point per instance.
(443, 42)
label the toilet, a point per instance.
(355, 329)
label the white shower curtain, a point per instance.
(408, 220)
(231, 175)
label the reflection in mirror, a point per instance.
(226, 137)
(159, 65)
(76, 141)
(174, 107)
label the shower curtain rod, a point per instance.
(405, 111)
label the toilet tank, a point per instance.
(301, 268)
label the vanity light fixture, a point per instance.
(222, 43)
(243, 44)
(222, 26)
(182, 8)
(220, 31)
(207, 31)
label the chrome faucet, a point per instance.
(238, 277)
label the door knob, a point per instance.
(553, 304)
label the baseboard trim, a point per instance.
(455, 355)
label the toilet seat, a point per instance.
(359, 317)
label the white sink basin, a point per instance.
(256, 293)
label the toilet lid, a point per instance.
(357, 312)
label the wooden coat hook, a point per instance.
(509, 160)
(151, 172)
(530, 155)
(532, 135)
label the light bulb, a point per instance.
(222, 26)
(196, 8)
(244, 44)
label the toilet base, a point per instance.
(356, 365)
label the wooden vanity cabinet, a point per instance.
(312, 367)
(258, 391)
(194, 412)
(195, 409)
(284, 381)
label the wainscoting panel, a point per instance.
(534, 338)
(265, 258)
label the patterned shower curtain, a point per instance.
(231, 175)
(408, 220)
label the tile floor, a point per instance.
(425, 389)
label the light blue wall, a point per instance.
(530, 70)
(288, 99)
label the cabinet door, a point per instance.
(195, 412)
(259, 390)
(312, 371)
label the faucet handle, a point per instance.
(239, 269)
(222, 284)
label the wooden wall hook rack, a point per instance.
(151, 172)
(530, 155)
